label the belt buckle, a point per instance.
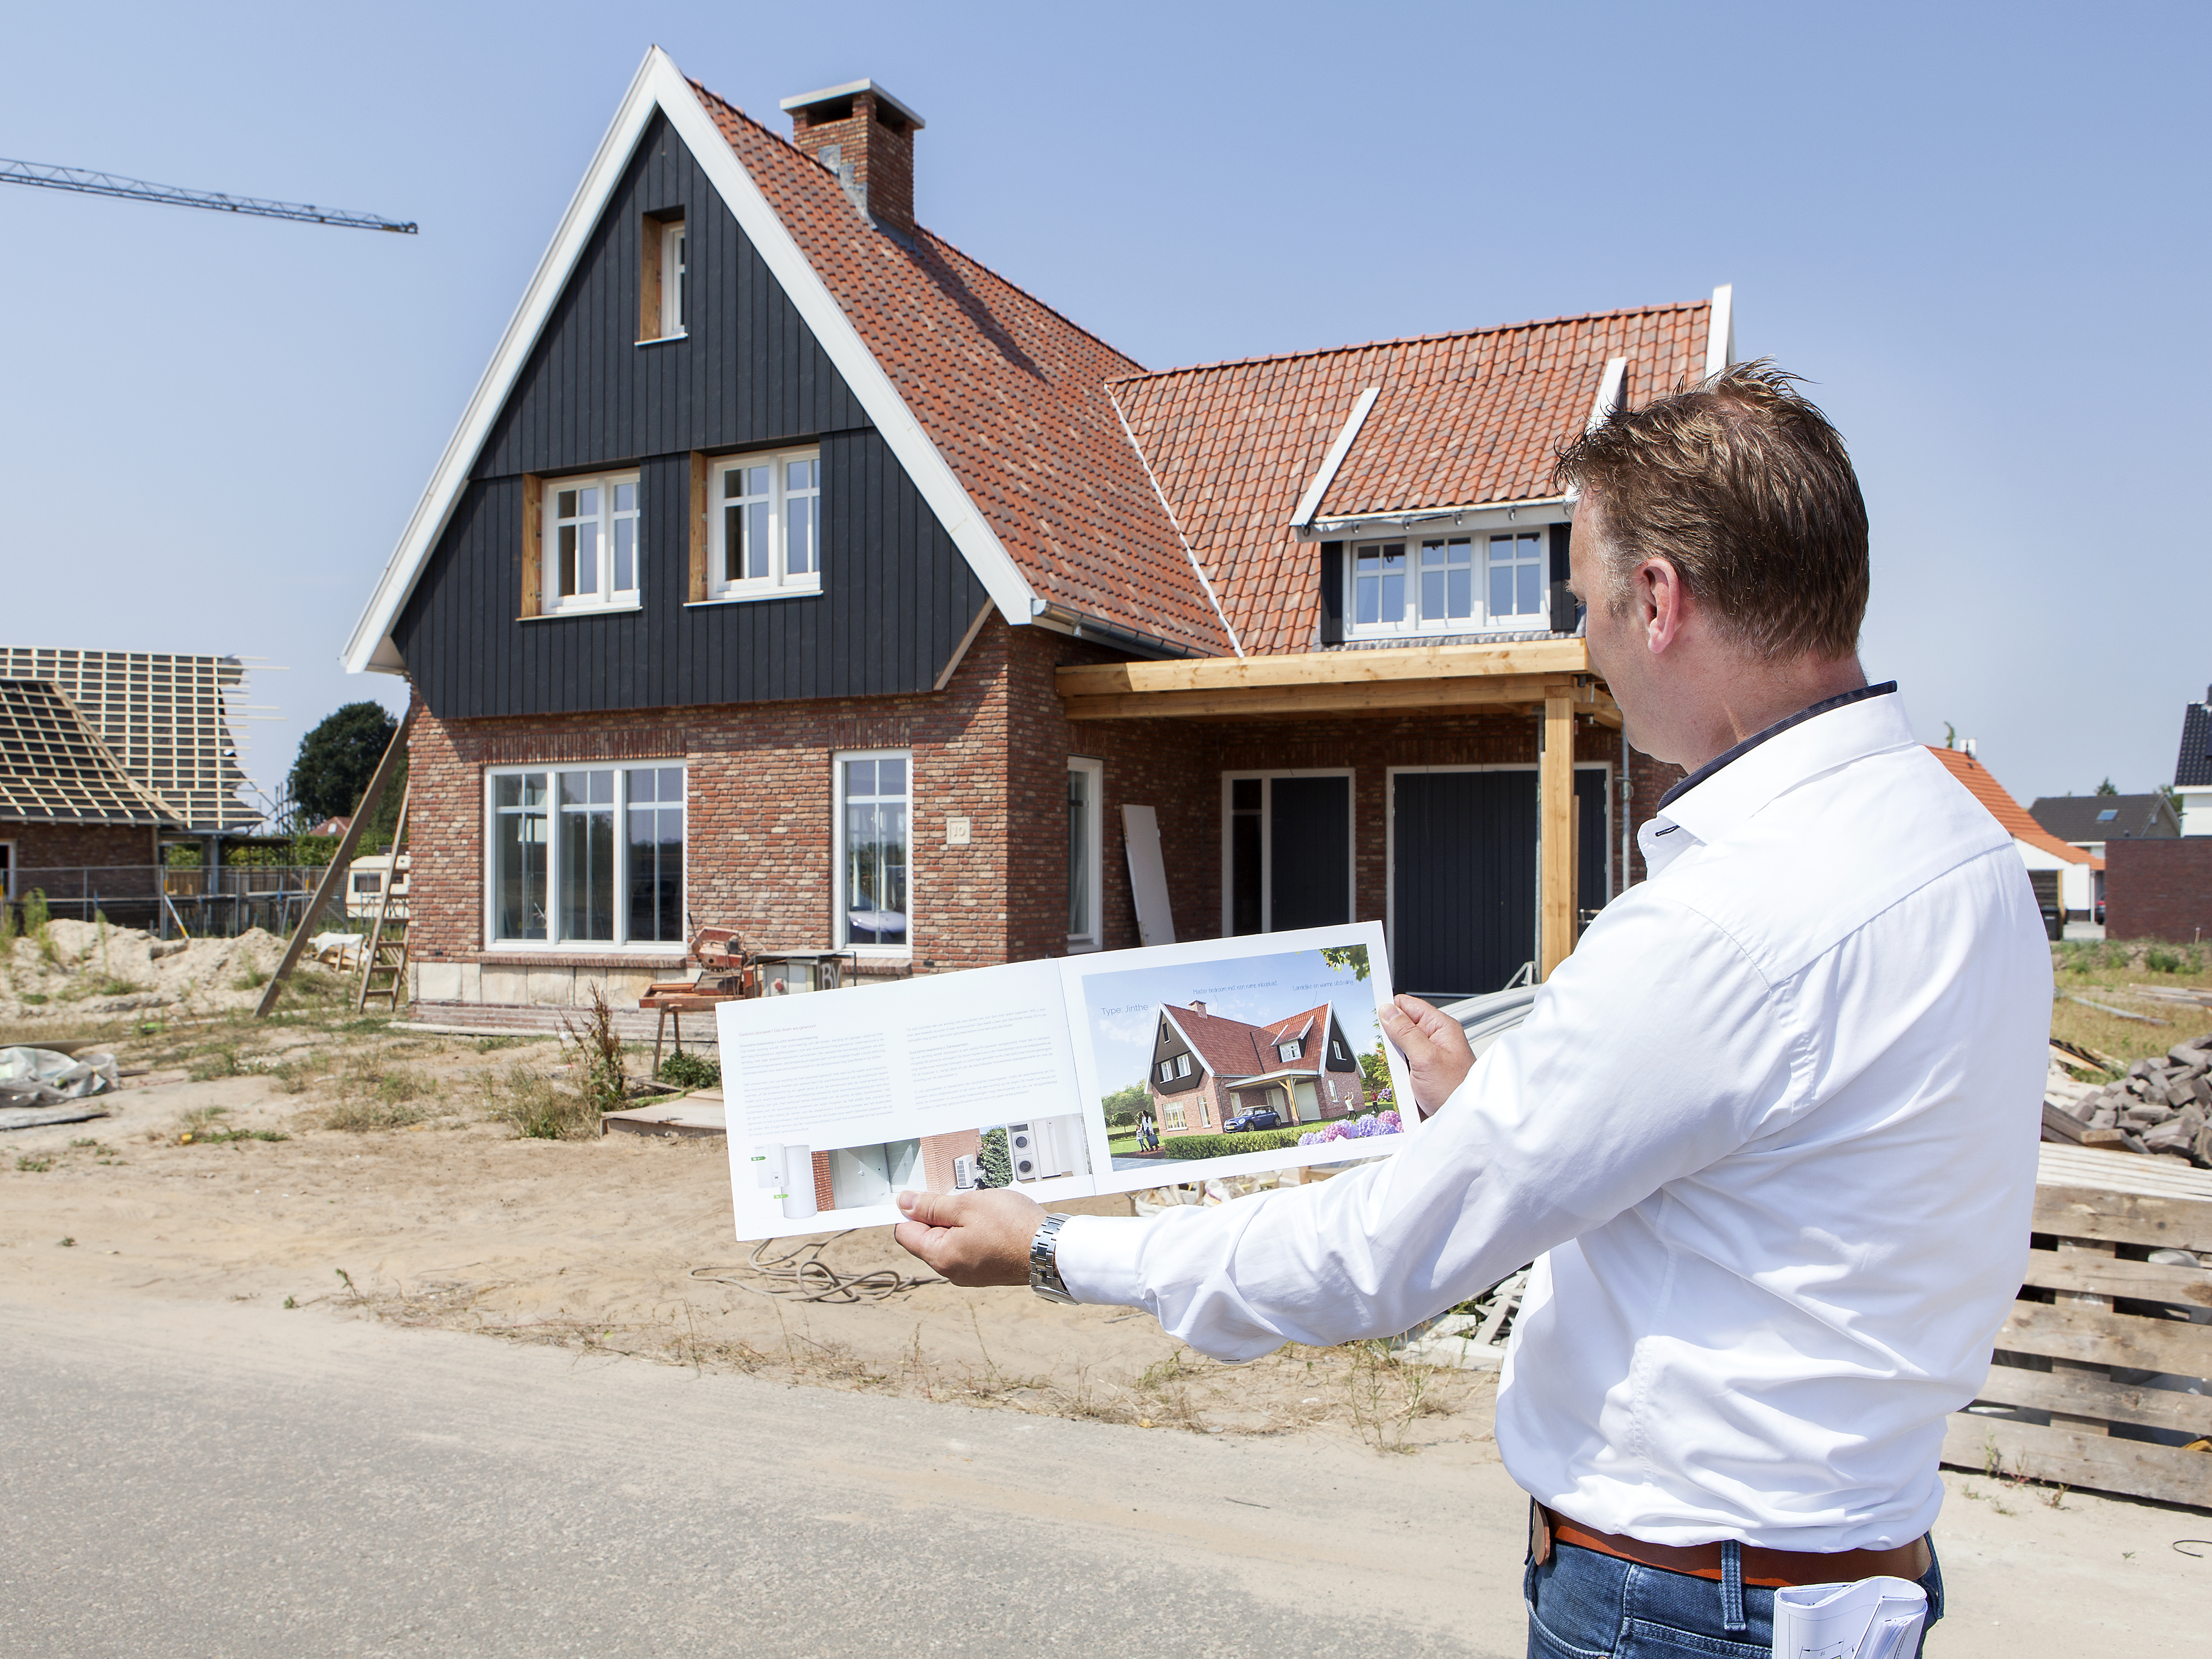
(1540, 1534)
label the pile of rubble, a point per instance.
(2161, 1106)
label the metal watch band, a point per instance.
(1044, 1260)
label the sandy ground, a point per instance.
(619, 1247)
(81, 969)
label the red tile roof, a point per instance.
(1229, 1047)
(1461, 419)
(2007, 811)
(1012, 393)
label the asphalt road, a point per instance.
(186, 1480)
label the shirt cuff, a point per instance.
(1096, 1256)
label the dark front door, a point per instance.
(1463, 864)
(1310, 853)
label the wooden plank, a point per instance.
(697, 521)
(2124, 1218)
(2089, 1336)
(2079, 1394)
(1555, 843)
(1350, 696)
(1532, 657)
(648, 278)
(2109, 1171)
(2106, 1276)
(529, 564)
(2136, 1468)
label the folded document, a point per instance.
(1873, 1619)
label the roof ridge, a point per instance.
(1409, 339)
(941, 240)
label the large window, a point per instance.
(1084, 860)
(875, 816)
(766, 530)
(591, 543)
(1460, 583)
(587, 855)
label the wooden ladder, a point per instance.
(384, 961)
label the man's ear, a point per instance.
(1664, 603)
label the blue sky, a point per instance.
(1258, 990)
(1968, 225)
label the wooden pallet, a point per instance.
(2058, 1355)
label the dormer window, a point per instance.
(1458, 583)
(1290, 1050)
(590, 541)
(766, 528)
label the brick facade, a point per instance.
(992, 748)
(45, 846)
(2159, 889)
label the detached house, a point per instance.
(790, 570)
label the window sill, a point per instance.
(569, 611)
(568, 948)
(1083, 947)
(754, 596)
(664, 339)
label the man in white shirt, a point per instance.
(1769, 1134)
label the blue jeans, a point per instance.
(1583, 1605)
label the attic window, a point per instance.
(1290, 1050)
(2108, 815)
(662, 278)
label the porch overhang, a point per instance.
(1524, 674)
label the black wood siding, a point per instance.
(897, 594)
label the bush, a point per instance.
(1252, 1140)
(690, 1071)
(1354, 1128)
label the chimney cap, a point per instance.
(831, 94)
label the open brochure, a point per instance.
(1107, 1072)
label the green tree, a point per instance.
(1341, 957)
(2105, 788)
(998, 1163)
(1375, 1069)
(1123, 1104)
(335, 761)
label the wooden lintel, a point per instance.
(1358, 697)
(1519, 658)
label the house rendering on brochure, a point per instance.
(1208, 1070)
(792, 571)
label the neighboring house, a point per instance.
(2065, 878)
(2087, 822)
(2192, 768)
(791, 570)
(68, 806)
(335, 828)
(1206, 1069)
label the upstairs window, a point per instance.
(662, 278)
(1290, 1050)
(591, 543)
(766, 528)
(1448, 584)
(672, 281)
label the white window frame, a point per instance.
(1093, 876)
(606, 596)
(1267, 841)
(781, 581)
(1293, 1049)
(1477, 534)
(672, 249)
(621, 943)
(837, 895)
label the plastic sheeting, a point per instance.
(39, 1076)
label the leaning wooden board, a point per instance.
(2057, 1356)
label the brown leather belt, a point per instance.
(1766, 1568)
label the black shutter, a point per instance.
(1563, 601)
(1332, 592)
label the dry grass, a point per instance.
(537, 1108)
(2107, 972)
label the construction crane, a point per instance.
(137, 190)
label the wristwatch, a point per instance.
(1044, 1260)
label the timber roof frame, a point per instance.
(54, 770)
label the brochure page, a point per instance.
(1112, 1071)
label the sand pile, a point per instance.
(80, 967)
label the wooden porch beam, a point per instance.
(1555, 819)
(1520, 658)
(1358, 697)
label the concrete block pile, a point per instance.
(2160, 1107)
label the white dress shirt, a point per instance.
(1769, 1135)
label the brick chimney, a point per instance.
(1197, 1007)
(866, 136)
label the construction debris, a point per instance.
(2160, 1106)
(38, 1086)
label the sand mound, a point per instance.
(82, 967)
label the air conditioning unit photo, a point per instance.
(1049, 1147)
(964, 1173)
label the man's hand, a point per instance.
(1435, 1048)
(972, 1238)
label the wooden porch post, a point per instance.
(1555, 818)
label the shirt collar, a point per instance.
(1831, 732)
